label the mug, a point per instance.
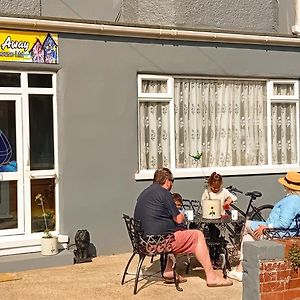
(234, 214)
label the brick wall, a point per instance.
(278, 279)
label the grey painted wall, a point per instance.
(22, 7)
(76, 9)
(97, 113)
(255, 15)
(97, 106)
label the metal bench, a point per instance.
(281, 233)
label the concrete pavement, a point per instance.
(101, 279)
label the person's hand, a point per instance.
(259, 231)
(226, 206)
(227, 203)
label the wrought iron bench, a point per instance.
(281, 233)
(148, 245)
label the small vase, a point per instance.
(49, 246)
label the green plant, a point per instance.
(197, 156)
(46, 214)
(294, 256)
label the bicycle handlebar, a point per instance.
(233, 189)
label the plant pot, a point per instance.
(49, 246)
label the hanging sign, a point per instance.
(27, 46)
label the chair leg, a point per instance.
(126, 268)
(138, 269)
(176, 278)
(188, 264)
(163, 262)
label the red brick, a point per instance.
(283, 275)
(262, 277)
(272, 287)
(272, 296)
(293, 284)
(271, 275)
(294, 274)
(292, 294)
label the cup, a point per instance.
(190, 215)
(234, 214)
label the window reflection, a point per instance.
(8, 205)
(45, 187)
(41, 132)
(7, 137)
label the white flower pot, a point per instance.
(49, 246)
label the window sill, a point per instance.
(28, 243)
(229, 171)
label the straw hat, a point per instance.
(291, 180)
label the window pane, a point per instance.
(8, 205)
(10, 79)
(42, 208)
(154, 135)
(154, 86)
(224, 119)
(40, 80)
(8, 148)
(284, 141)
(41, 132)
(283, 89)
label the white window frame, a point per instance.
(240, 170)
(25, 241)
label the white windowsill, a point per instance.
(229, 171)
(27, 243)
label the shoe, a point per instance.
(234, 274)
(222, 282)
(169, 280)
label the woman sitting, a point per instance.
(281, 216)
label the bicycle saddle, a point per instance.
(254, 194)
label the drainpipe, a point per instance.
(101, 29)
(296, 27)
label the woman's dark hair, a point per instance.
(161, 175)
(214, 177)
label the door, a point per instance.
(11, 166)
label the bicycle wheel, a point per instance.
(261, 213)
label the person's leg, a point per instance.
(193, 241)
(248, 236)
(202, 255)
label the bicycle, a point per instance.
(252, 212)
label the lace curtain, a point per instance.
(224, 119)
(284, 141)
(154, 129)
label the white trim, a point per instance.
(21, 238)
(19, 244)
(283, 97)
(269, 127)
(226, 171)
(234, 170)
(154, 96)
(160, 33)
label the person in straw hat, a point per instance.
(281, 216)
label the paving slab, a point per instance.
(100, 279)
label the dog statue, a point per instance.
(82, 243)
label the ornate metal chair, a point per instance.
(148, 245)
(280, 233)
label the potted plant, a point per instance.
(49, 243)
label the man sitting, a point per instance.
(158, 215)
